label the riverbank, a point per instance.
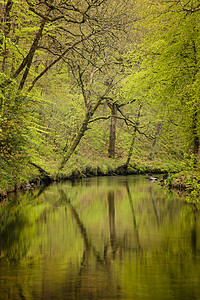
(187, 181)
(181, 176)
(34, 174)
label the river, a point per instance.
(117, 237)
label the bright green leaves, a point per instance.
(168, 73)
(13, 135)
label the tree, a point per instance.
(14, 135)
(66, 25)
(168, 74)
(112, 136)
(92, 100)
(6, 26)
(96, 70)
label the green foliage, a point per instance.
(14, 134)
(167, 78)
(161, 79)
(60, 110)
(188, 179)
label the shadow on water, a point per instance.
(100, 238)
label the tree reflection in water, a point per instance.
(99, 239)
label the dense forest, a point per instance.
(93, 87)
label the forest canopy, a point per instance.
(97, 82)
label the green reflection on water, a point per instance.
(100, 238)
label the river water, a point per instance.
(100, 238)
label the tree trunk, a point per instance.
(27, 61)
(29, 58)
(155, 143)
(131, 147)
(80, 134)
(76, 141)
(195, 114)
(1, 17)
(133, 138)
(195, 134)
(6, 21)
(90, 112)
(112, 138)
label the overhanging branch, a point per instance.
(192, 9)
(57, 60)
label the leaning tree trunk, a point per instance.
(76, 141)
(29, 58)
(131, 147)
(90, 112)
(27, 61)
(112, 138)
(88, 115)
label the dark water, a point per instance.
(100, 238)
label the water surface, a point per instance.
(100, 238)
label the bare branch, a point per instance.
(192, 9)
(55, 61)
(100, 118)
